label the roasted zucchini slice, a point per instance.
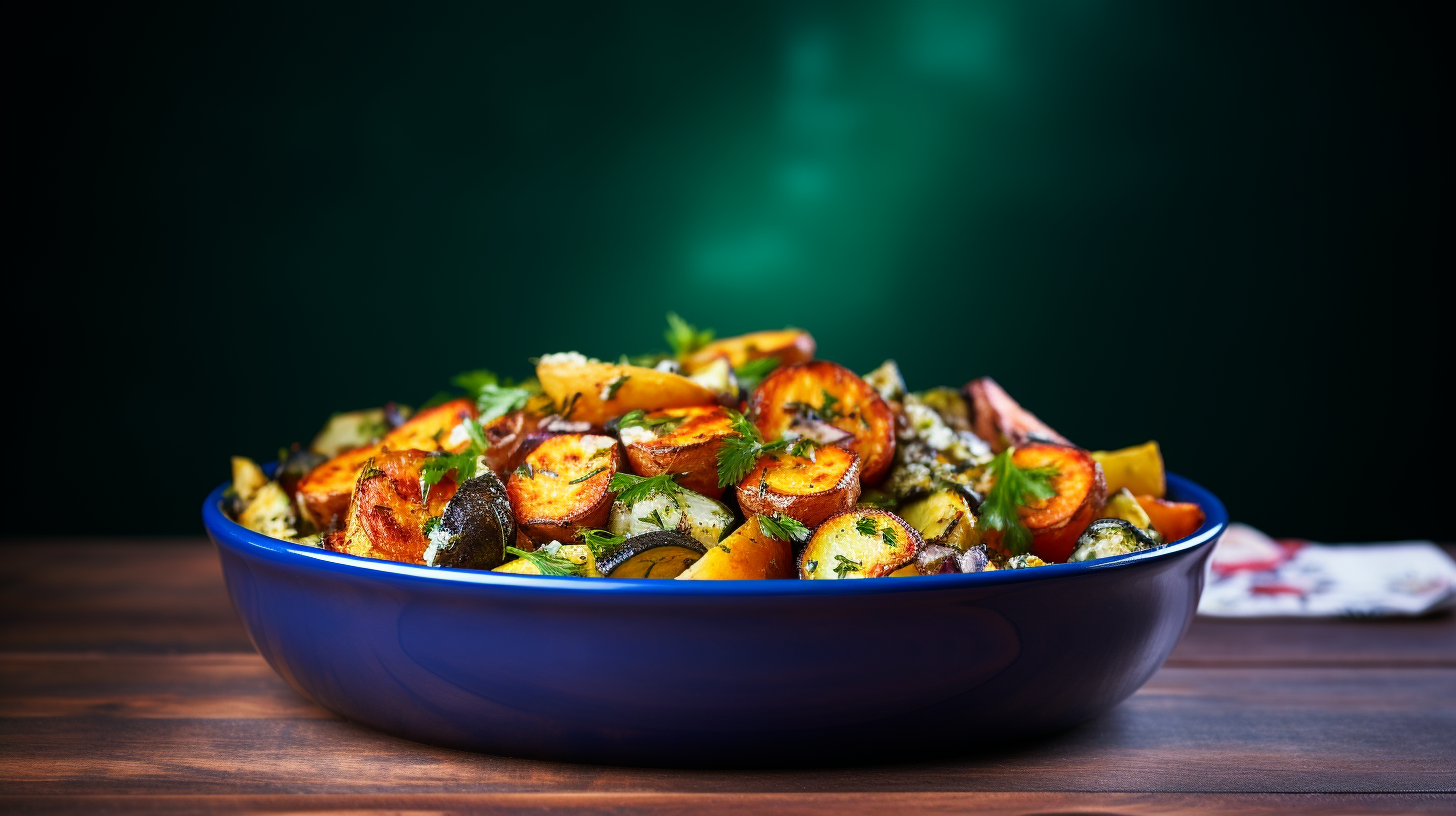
(1124, 505)
(563, 486)
(1107, 537)
(350, 430)
(475, 528)
(859, 543)
(702, 518)
(944, 517)
(563, 559)
(806, 490)
(659, 554)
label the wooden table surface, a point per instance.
(127, 685)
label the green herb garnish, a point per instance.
(601, 542)
(865, 526)
(580, 479)
(631, 489)
(751, 373)
(639, 419)
(684, 337)
(783, 528)
(889, 536)
(430, 526)
(549, 560)
(846, 566)
(610, 392)
(740, 452)
(1013, 487)
(494, 397)
(463, 463)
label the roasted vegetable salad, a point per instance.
(741, 458)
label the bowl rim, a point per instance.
(230, 535)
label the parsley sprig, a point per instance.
(751, 373)
(846, 565)
(639, 419)
(631, 489)
(740, 452)
(601, 542)
(494, 397)
(1013, 487)
(464, 463)
(549, 560)
(684, 337)
(783, 528)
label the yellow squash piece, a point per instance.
(597, 391)
(748, 553)
(1139, 469)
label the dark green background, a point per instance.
(1212, 224)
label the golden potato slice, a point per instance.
(388, 511)
(801, 397)
(859, 543)
(806, 490)
(598, 391)
(944, 517)
(433, 429)
(323, 494)
(562, 486)
(789, 346)
(680, 440)
(1138, 468)
(746, 554)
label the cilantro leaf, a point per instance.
(783, 528)
(684, 337)
(1013, 487)
(631, 489)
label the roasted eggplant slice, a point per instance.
(678, 440)
(944, 517)
(296, 465)
(563, 486)
(1107, 537)
(806, 490)
(475, 528)
(660, 554)
(825, 392)
(860, 543)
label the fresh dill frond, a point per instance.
(601, 542)
(549, 560)
(631, 489)
(783, 528)
(684, 337)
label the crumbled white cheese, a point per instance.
(670, 366)
(635, 435)
(459, 435)
(927, 425)
(567, 358)
(592, 443)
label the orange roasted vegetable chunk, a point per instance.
(788, 346)
(680, 440)
(821, 399)
(1174, 520)
(388, 511)
(431, 429)
(1080, 489)
(749, 553)
(563, 486)
(806, 490)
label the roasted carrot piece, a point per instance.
(1174, 520)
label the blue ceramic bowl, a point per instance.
(713, 672)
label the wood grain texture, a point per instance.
(127, 685)
(760, 804)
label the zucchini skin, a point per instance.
(476, 526)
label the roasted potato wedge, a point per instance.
(680, 440)
(746, 554)
(1138, 468)
(859, 543)
(388, 511)
(434, 429)
(1174, 520)
(562, 486)
(806, 490)
(1001, 421)
(597, 391)
(789, 346)
(1080, 489)
(799, 397)
(323, 495)
(944, 517)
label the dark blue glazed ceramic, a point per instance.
(713, 672)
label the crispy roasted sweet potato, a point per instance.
(1001, 421)
(746, 554)
(1080, 489)
(680, 440)
(1174, 520)
(859, 543)
(808, 396)
(789, 346)
(433, 429)
(595, 392)
(323, 495)
(388, 511)
(1138, 468)
(806, 490)
(562, 486)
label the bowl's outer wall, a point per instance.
(624, 677)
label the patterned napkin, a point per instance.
(1252, 575)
